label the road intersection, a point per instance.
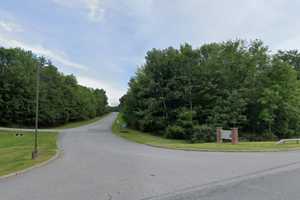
(97, 165)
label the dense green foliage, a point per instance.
(158, 141)
(62, 100)
(113, 108)
(186, 92)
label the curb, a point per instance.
(59, 151)
(117, 133)
(57, 155)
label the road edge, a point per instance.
(117, 133)
(58, 153)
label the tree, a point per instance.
(61, 98)
(229, 84)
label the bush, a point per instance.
(175, 132)
(202, 133)
(248, 136)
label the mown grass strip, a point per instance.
(68, 125)
(79, 123)
(149, 139)
(15, 151)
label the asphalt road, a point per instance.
(97, 165)
(280, 186)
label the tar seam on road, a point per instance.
(222, 182)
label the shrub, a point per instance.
(202, 133)
(248, 136)
(175, 132)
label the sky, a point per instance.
(103, 42)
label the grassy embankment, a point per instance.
(79, 123)
(63, 126)
(146, 138)
(15, 151)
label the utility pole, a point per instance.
(35, 150)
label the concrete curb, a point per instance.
(57, 155)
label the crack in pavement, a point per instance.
(197, 188)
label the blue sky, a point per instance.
(102, 42)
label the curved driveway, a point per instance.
(97, 165)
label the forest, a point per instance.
(62, 99)
(186, 93)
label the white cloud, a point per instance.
(289, 44)
(65, 3)
(95, 8)
(40, 50)
(10, 26)
(114, 93)
(9, 40)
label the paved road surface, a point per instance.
(280, 186)
(97, 165)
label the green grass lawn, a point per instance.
(146, 138)
(15, 151)
(65, 126)
(79, 123)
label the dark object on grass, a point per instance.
(19, 134)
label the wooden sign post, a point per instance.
(227, 135)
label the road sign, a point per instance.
(226, 134)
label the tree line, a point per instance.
(62, 99)
(186, 93)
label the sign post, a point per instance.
(228, 135)
(234, 136)
(219, 135)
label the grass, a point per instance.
(15, 151)
(152, 140)
(75, 124)
(79, 123)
